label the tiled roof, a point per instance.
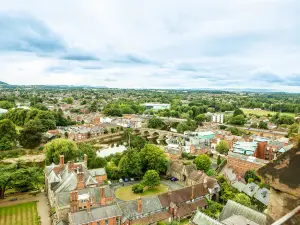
(159, 216)
(262, 195)
(188, 208)
(202, 219)
(238, 220)
(250, 189)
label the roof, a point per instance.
(186, 209)
(202, 219)
(100, 213)
(150, 219)
(262, 195)
(182, 195)
(246, 148)
(98, 172)
(250, 189)
(238, 220)
(247, 158)
(149, 204)
(283, 173)
(233, 208)
(239, 185)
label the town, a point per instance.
(94, 156)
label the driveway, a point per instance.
(172, 185)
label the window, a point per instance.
(98, 223)
(118, 221)
(106, 222)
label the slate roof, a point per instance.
(202, 219)
(97, 172)
(186, 209)
(233, 208)
(149, 204)
(182, 195)
(100, 213)
(239, 185)
(250, 189)
(150, 219)
(262, 195)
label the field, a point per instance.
(22, 214)
(263, 112)
(126, 194)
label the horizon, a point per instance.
(170, 45)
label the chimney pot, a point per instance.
(85, 160)
(139, 204)
(61, 160)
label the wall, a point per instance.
(279, 205)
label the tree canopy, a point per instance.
(58, 147)
(151, 179)
(203, 162)
(222, 147)
(8, 134)
(31, 135)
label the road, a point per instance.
(260, 130)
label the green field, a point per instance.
(263, 112)
(22, 214)
(126, 194)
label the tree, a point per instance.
(219, 160)
(96, 162)
(238, 112)
(47, 119)
(188, 125)
(251, 174)
(151, 179)
(6, 105)
(200, 119)
(8, 134)
(222, 147)
(237, 120)
(137, 142)
(6, 172)
(68, 100)
(213, 209)
(86, 149)
(263, 125)
(203, 162)
(155, 123)
(153, 158)
(243, 199)
(138, 188)
(58, 147)
(131, 164)
(93, 107)
(31, 135)
(293, 130)
(211, 172)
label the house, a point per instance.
(73, 182)
(190, 175)
(157, 106)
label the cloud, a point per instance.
(183, 44)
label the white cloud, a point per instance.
(180, 43)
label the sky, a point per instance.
(216, 44)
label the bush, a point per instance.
(12, 153)
(138, 188)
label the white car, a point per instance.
(121, 180)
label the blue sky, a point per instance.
(152, 44)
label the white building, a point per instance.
(216, 117)
(157, 106)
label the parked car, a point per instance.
(174, 179)
(126, 179)
(131, 179)
(121, 180)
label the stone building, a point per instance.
(64, 180)
(283, 177)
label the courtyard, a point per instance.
(126, 194)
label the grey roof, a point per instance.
(149, 204)
(230, 174)
(233, 208)
(53, 178)
(238, 220)
(98, 172)
(250, 189)
(239, 185)
(262, 195)
(63, 198)
(202, 219)
(91, 181)
(50, 168)
(100, 213)
(68, 183)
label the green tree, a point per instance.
(237, 120)
(6, 105)
(203, 162)
(86, 149)
(131, 164)
(151, 179)
(213, 209)
(93, 107)
(222, 147)
(263, 125)
(6, 172)
(200, 119)
(219, 160)
(238, 112)
(47, 119)
(153, 158)
(293, 130)
(68, 100)
(155, 123)
(31, 114)
(58, 147)
(251, 174)
(31, 135)
(243, 199)
(8, 134)
(138, 188)
(97, 162)
(137, 142)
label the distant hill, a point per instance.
(1, 82)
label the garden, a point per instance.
(22, 214)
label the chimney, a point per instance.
(139, 205)
(61, 161)
(74, 203)
(70, 166)
(85, 160)
(80, 180)
(102, 196)
(88, 205)
(193, 192)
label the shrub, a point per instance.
(138, 188)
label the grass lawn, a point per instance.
(22, 214)
(264, 112)
(126, 194)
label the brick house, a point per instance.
(63, 180)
